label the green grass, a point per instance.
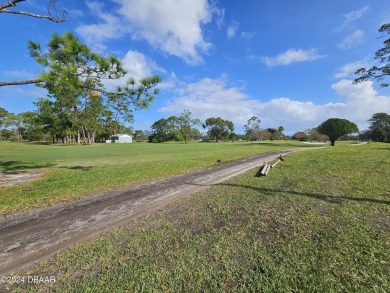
(71, 172)
(319, 222)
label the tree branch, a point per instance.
(33, 81)
(12, 3)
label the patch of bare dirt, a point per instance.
(20, 177)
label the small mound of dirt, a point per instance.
(16, 178)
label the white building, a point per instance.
(120, 138)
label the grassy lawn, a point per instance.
(319, 222)
(71, 172)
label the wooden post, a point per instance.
(265, 169)
(274, 164)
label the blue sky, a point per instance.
(291, 63)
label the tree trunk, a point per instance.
(84, 134)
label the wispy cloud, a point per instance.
(291, 56)
(351, 17)
(232, 29)
(247, 35)
(220, 15)
(352, 40)
(356, 14)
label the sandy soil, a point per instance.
(20, 177)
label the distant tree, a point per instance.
(314, 134)
(3, 119)
(301, 136)
(383, 55)
(16, 122)
(195, 134)
(379, 129)
(365, 135)
(234, 136)
(126, 129)
(336, 127)
(276, 134)
(218, 128)
(186, 124)
(252, 127)
(32, 128)
(56, 120)
(165, 130)
(263, 134)
(139, 135)
(8, 135)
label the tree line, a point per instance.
(46, 125)
(185, 127)
(336, 128)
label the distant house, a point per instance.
(120, 138)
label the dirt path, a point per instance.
(26, 239)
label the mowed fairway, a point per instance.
(319, 222)
(71, 172)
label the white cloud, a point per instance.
(296, 115)
(97, 34)
(215, 97)
(170, 25)
(352, 40)
(138, 66)
(292, 56)
(232, 29)
(349, 70)
(175, 27)
(362, 100)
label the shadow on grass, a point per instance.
(262, 143)
(258, 174)
(41, 143)
(327, 198)
(14, 166)
(81, 168)
(54, 144)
